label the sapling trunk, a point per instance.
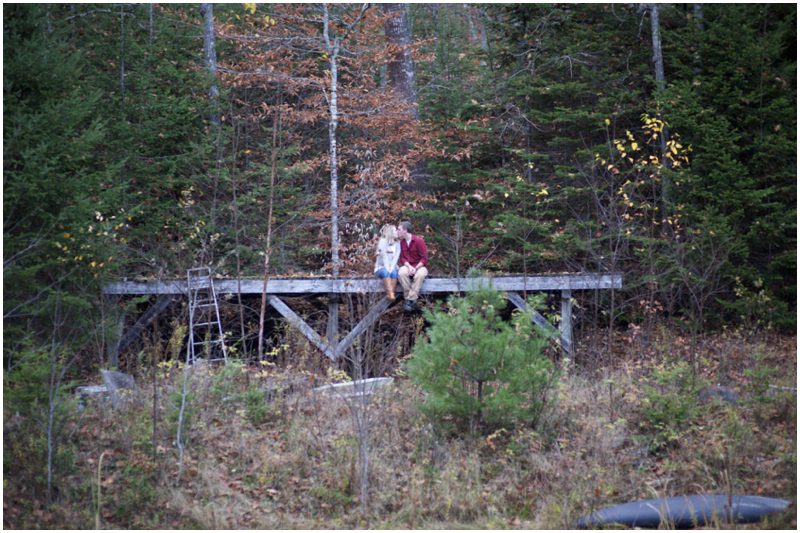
(268, 251)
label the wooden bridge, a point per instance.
(332, 346)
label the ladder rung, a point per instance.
(207, 342)
(201, 324)
(211, 304)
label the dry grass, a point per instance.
(297, 468)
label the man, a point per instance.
(413, 264)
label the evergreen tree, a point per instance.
(480, 372)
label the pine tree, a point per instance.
(480, 372)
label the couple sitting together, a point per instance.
(410, 253)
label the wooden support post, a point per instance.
(566, 321)
(333, 319)
(369, 319)
(300, 324)
(113, 334)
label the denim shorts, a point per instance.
(383, 273)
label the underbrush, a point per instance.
(265, 451)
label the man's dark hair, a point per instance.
(406, 225)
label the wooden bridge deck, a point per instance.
(365, 285)
(334, 347)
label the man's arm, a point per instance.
(403, 261)
(423, 253)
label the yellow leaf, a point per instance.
(634, 146)
(608, 122)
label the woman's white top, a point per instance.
(387, 255)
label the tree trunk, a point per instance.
(658, 58)
(122, 58)
(477, 28)
(401, 76)
(658, 67)
(401, 66)
(332, 48)
(697, 12)
(210, 55)
(268, 251)
(151, 35)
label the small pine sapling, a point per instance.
(479, 371)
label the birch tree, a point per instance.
(210, 56)
(658, 71)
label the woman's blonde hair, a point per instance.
(388, 233)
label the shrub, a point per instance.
(479, 371)
(256, 409)
(670, 403)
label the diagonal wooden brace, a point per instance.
(132, 334)
(543, 324)
(295, 320)
(369, 319)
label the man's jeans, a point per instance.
(411, 290)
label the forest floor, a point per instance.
(631, 429)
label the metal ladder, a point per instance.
(204, 318)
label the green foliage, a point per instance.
(59, 190)
(174, 411)
(480, 372)
(27, 393)
(227, 381)
(670, 404)
(760, 375)
(139, 491)
(256, 408)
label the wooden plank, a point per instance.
(161, 303)
(369, 319)
(301, 325)
(370, 285)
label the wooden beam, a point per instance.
(369, 285)
(301, 325)
(332, 332)
(566, 320)
(161, 303)
(369, 319)
(537, 318)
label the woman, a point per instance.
(387, 254)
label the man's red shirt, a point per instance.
(414, 252)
